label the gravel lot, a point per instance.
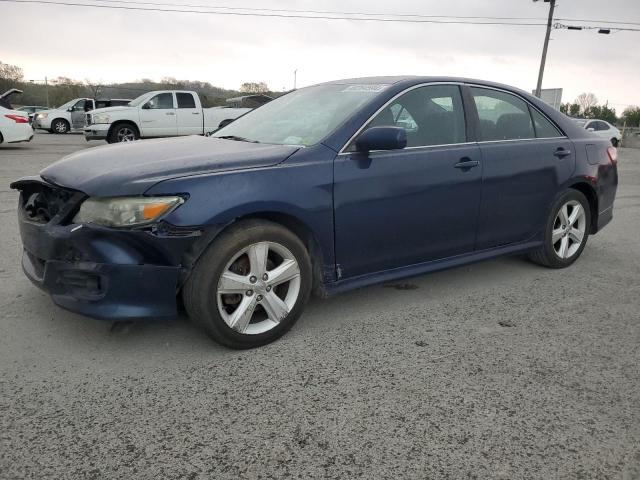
(499, 370)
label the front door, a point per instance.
(402, 207)
(78, 114)
(525, 160)
(158, 116)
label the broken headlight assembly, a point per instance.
(125, 211)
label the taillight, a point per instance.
(613, 155)
(18, 118)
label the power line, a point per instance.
(276, 15)
(325, 15)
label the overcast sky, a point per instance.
(117, 45)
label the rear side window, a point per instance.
(544, 128)
(186, 100)
(431, 115)
(502, 116)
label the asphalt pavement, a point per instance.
(498, 370)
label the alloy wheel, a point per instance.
(569, 229)
(125, 134)
(258, 288)
(60, 127)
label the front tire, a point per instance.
(124, 132)
(251, 285)
(615, 142)
(566, 232)
(60, 125)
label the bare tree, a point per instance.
(254, 87)
(586, 101)
(94, 87)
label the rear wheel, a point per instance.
(124, 132)
(566, 232)
(251, 285)
(60, 125)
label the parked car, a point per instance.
(602, 129)
(162, 113)
(319, 190)
(31, 110)
(71, 115)
(14, 124)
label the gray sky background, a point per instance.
(113, 45)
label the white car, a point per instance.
(602, 129)
(161, 113)
(71, 115)
(14, 125)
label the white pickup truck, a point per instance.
(162, 113)
(71, 115)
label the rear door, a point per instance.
(158, 116)
(401, 207)
(525, 160)
(189, 114)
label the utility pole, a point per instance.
(552, 6)
(46, 89)
(295, 78)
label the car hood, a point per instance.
(132, 168)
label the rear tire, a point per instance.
(123, 132)
(245, 302)
(566, 232)
(60, 125)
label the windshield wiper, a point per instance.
(237, 138)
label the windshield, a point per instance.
(138, 100)
(67, 105)
(303, 117)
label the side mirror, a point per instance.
(591, 129)
(225, 122)
(381, 138)
(146, 106)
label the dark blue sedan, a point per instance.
(327, 188)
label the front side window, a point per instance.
(502, 116)
(431, 115)
(80, 106)
(162, 101)
(185, 100)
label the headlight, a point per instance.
(125, 211)
(42, 115)
(101, 118)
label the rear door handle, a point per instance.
(170, 113)
(195, 113)
(561, 152)
(466, 164)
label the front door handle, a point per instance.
(466, 164)
(561, 152)
(170, 113)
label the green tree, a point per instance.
(574, 109)
(631, 115)
(254, 87)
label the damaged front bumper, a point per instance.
(106, 273)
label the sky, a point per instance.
(109, 45)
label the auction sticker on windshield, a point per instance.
(366, 88)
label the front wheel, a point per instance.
(615, 142)
(60, 125)
(251, 285)
(566, 232)
(125, 132)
